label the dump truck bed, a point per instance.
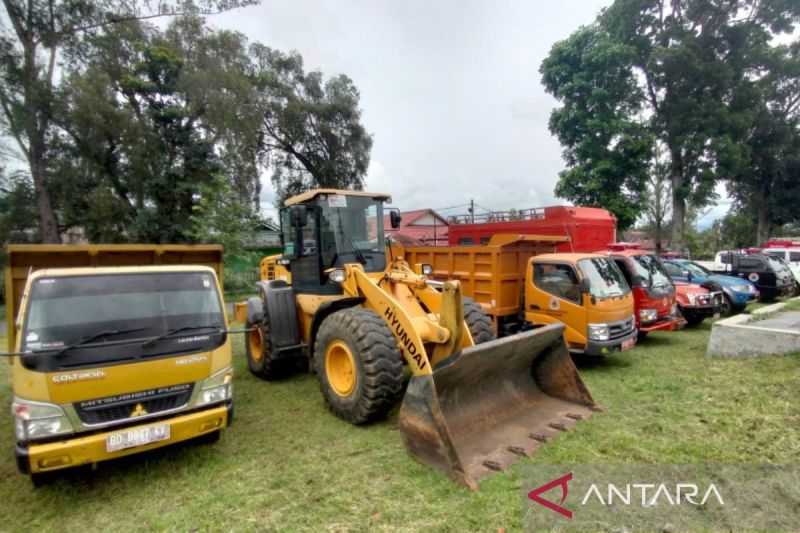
(26, 258)
(492, 275)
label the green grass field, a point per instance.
(287, 464)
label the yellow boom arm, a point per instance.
(396, 298)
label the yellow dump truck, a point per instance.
(114, 350)
(521, 283)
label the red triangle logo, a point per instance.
(562, 482)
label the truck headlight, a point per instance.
(38, 420)
(598, 332)
(648, 315)
(216, 389)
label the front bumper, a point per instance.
(700, 310)
(608, 347)
(34, 458)
(666, 323)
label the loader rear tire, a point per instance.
(358, 365)
(478, 322)
(260, 359)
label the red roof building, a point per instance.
(419, 227)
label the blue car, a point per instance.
(738, 292)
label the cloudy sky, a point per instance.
(450, 89)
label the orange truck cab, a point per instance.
(521, 283)
(653, 291)
(588, 294)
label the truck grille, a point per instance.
(131, 405)
(623, 328)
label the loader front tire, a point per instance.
(260, 359)
(478, 322)
(358, 365)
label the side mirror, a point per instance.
(299, 214)
(585, 286)
(395, 219)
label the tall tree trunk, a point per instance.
(48, 226)
(678, 201)
(762, 217)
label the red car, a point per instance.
(654, 296)
(697, 303)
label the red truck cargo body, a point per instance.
(589, 228)
(655, 305)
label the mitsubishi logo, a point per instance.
(139, 410)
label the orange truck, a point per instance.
(521, 283)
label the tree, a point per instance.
(681, 63)
(657, 200)
(312, 131)
(767, 179)
(29, 51)
(606, 144)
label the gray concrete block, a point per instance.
(752, 336)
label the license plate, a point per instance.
(627, 345)
(136, 437)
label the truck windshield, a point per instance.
(351, 230)
(605, 278)
(119, 310)
(650, 269)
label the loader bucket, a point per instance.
(493, 403)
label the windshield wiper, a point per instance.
(170, 333)
(98, 335)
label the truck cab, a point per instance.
(114, 360)
(771, 276)
(788, 254)
(653, 291)
(588, 294)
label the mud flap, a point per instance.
(486, 407)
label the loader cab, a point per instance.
(325, 229)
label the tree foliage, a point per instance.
(680, 69)
(312, 129)
(30, 47)
(161, 135)
(606, 144)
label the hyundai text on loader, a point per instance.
(354, 313)
(117, 349)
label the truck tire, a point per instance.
(478, 322)
(358, 365)
(260, 358)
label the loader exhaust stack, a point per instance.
(487, 406)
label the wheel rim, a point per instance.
(256, 342)
(340, 368)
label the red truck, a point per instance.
(654, 295)
(588, 228)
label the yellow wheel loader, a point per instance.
(355, 315)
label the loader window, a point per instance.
(558, 280)
(351, 231)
